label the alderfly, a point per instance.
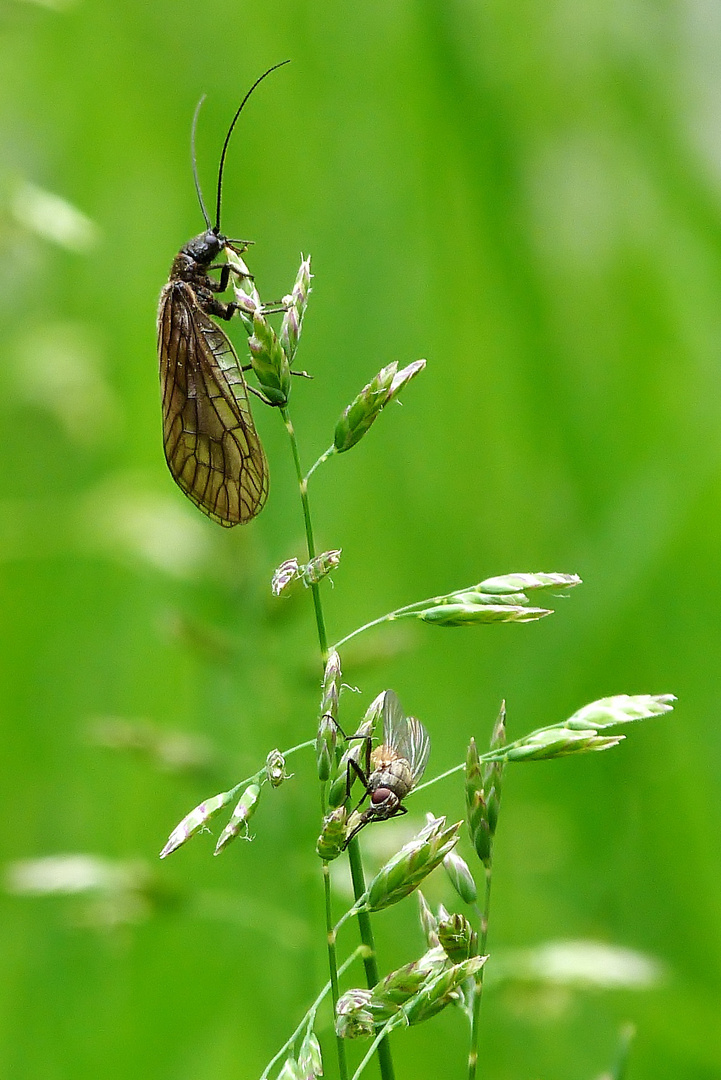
(211, 445)
(392, 769)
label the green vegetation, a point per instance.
(525, 197)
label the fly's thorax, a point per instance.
(383, 756)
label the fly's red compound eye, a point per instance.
(380, 795)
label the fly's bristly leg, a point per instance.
(362, 776)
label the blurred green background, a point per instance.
(529, 196)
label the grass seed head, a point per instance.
(457, 938)
(327, 737)
(330, 692)
(353, 1016)
(295, 305)
(442, 990)
(310, 1059)
(373, 398)
(402, 984)
(476, 806)
(290, 1070)
(333, 834)
(412, 864)
(549, 743)
(325, 743)
(428, 921)
(320, 567)
(621, 709)
(364, 409)
(240, 817)
(453, 614)
(195, 820)
(275, 768)
(579, 734)
(511, 583)
(246, 295)
(461, 877)
(286, 573)
(492, 772)
(270, 363)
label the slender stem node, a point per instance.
(323, 457)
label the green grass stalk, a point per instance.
(478, 987)
(310, 542)
(354, 854)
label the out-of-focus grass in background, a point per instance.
(529, 196)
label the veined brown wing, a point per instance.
(211, 445)
(405, 735)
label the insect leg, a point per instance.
(363, 822)
(347, 738)
(222, 284)
(352, 763)
(301, 375)
(218, 308)
(362, 776)
(258, 394)
(274, 307)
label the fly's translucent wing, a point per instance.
(405, 735)
(419, 748)
(211, 444)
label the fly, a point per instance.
(392, 769)
(211, 444)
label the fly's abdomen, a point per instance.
(394, 775)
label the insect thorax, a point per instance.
(192, 261)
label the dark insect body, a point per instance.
(393, 768)
(211, 444)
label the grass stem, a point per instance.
(369, 960)
(354, 855)
(303, 487)
(478, 988)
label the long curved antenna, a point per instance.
(198, 192)
(230, 132)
